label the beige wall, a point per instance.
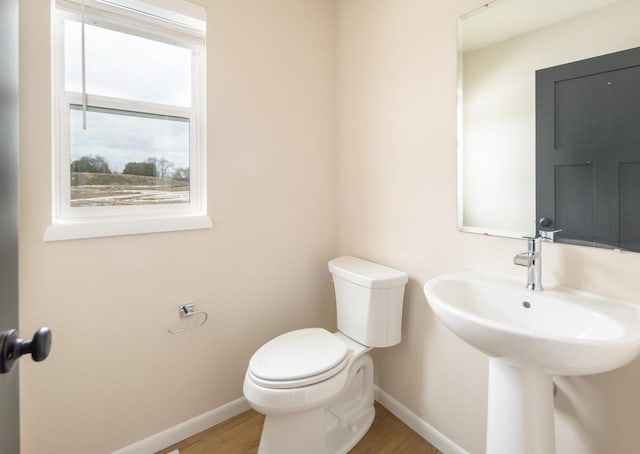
(396, 142)
(282, 205)
(115, 376)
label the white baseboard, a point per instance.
(186, 429)
(417, 424)
(195, 425)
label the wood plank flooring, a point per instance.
(241, 435)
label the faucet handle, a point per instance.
(549, 235)
(533, 241)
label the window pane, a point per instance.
(127, 66)
(128, 158)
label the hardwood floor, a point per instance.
(241, 435)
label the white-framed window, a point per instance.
(128, 108)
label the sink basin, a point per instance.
(560, 330)
(530, 336)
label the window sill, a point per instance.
(81, 229)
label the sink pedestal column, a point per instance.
(520, 412)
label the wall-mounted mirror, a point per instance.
(515, 58)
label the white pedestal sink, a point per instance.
(530, 336)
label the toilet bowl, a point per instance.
(300, 417)
(315, 387)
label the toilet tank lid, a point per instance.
(367, 274)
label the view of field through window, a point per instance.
(113, 163)
(127, 157)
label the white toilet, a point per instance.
(316, 387)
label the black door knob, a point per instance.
(545, 222)
(12, 348)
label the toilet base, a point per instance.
(342, 439)
(333, 429)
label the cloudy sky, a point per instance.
(123, 138)
(129, 67)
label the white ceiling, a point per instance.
(504, 19)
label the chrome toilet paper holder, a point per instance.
(186, 311)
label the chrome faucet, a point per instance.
(532, 259)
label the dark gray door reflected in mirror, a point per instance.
(588, 150)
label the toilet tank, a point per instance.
(369, 300)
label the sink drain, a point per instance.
(526, 304)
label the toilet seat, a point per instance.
(298, 358)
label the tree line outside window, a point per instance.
(151, 167)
